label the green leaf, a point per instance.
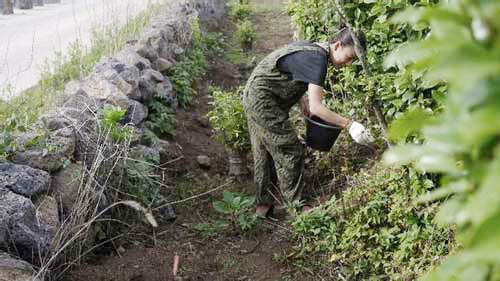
(412, 121)
(221, 207)
(475, 272)
(486, 201)
(228, 196)
(452, 188)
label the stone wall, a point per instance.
(40, 180)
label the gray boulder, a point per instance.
(136, 112)
(23, 180)
(145, 154)
(12, 269)
(129, 56)
(102, 89)
(66, 184)
(146, 51)
(147, 89)
(19, 225)
(49, 154)
(110, 74)
(153, 75)
(154, 39)
(165, 91)
(163, 65)
(47, 213)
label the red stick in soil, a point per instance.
(175, 267)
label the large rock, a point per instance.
(66, 184)
(153, 44)
(147, 85)
(153, 75)
(19, 226)
(163, 65)
(147, 89)
(125, 76)
(48, 154)
(23, 180)
(129, 56)
(102, 89)
(165, 91)
(12, 269)
(136, 112)
(76, 97)
(111, 75)
(47, 213)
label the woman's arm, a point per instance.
(317, 108)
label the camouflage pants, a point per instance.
(278, 154)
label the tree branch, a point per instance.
(362, 57)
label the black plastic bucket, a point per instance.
(320, 135)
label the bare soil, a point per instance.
(147, 255)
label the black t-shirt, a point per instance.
(305, 66)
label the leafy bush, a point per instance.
(239, 209)
(161, 118)
(190, 69)
(228, 119)
(194, 64)
(394, 90)
(239, 11)
(463, 141)
(246, 33)
(373, 231)
(110, 117)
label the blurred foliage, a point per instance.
(246, 33)
(463, 141)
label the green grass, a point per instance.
(79, 61)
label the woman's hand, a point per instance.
(360, 134)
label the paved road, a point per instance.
(28, 37)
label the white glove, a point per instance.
(360, 134)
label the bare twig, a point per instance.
(193, 197)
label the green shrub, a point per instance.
(246, 33)
(239, 209)
(373, 230)
(239, 11)
(191, 68)
(161, 119)
(228, 119)
(110, 117)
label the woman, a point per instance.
(277, 83)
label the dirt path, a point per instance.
(260, 256)
(272, 24)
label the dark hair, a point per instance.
(344, 36)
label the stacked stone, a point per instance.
(38, 184)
